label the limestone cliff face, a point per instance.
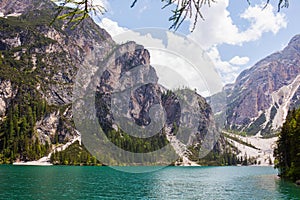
(129, 68)
(260, 98)
(38, 65)
(128, 93)
(54, 52)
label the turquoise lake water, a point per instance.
(71, 182)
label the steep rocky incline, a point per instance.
(38, 65)
(260, 98)
(128, 93)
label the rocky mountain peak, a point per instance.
(260, 98)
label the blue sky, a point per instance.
(234, 34)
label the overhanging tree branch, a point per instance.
(75, 11)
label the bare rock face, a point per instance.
(131, 69)
(8, 7)
(260, 98)
(57, 50)
(128, 93)
(7, 93)
(41, 61)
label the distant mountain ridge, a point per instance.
(258, 101)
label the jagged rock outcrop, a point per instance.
(38, 65)
(260, 98)
(128, 93)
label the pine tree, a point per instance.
(287, 152)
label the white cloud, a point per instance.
(262, 21)
(112, 27)
(237, 60)
(220, 29)
(217, 28)
(122, 34)
(227, 71)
